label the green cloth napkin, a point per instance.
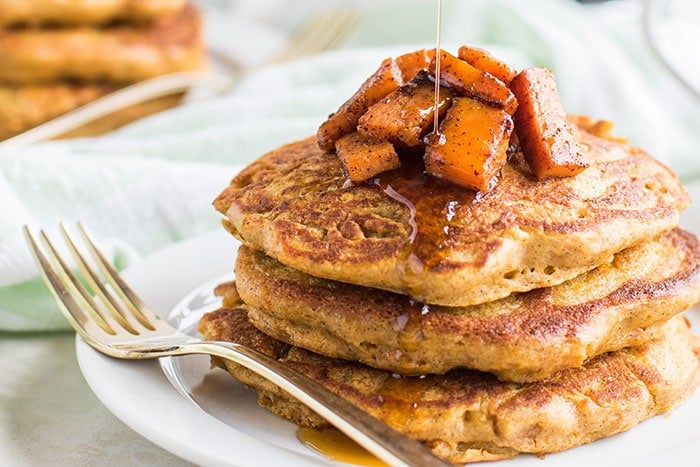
(152, 183)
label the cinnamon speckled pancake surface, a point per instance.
(24, 107)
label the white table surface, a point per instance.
(49, 415)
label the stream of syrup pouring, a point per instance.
(331, 442)
(436, 129)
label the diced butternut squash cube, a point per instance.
(385, 80)
(471, 147)
(546, 139)
(411, 63)
(407, 114)
(471, 82)
(484, 61)
(363, 156)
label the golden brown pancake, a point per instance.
(523, 337)
(82, 12)
(467, 416)
(24, 107)
(443, 244)
(120, 53)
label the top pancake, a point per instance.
(443, 244)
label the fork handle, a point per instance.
(374, 435)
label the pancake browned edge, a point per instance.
(118, 54)
(80, 12)
(441, 243)
(467, 416)
(24, 107)
(523, 337)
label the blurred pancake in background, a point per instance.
(54, 59)
(77, 12)
(119, 54)
(23, 107)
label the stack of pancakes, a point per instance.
(56, 55)
(531, 319)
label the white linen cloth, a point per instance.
(152, 183)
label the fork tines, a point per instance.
(119, 309)
(324, 29)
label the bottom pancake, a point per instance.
(468, 416)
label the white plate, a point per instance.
(225, 426)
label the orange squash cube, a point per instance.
(363, 156)
(471, 82)
(484, 61)
(471, 147)
(386, 79)
(413, 62)
(407, 114)
(545, 136)
(391, 74)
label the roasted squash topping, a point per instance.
(364, 156)
(546, 140)
(472, 145)
(481, 101)
(406, 115)
(484, 61)
(385, 80)
(469, 81)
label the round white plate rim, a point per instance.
(139, 394)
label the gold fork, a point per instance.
(119, 324)
(323, 29)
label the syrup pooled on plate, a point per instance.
(335, 445)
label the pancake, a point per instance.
(523, 337)
(24, 107)
(120, 53)
(471, 416)
(442, 244)
(82, 12)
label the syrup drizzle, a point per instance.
(408, 187)
(437, 210)
(389, 190)
(437, 67)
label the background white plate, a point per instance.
(226, 427)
